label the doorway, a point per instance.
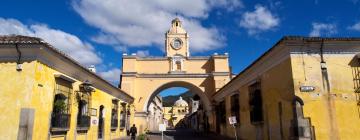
(101, 123)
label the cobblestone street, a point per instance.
(183, 134)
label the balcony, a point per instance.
(114, 124)
(60, 122)
(83, 122)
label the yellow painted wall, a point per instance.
(168, 115)
(272, 94)
(33, 88)
(283, 81)
(14, 93)
(164, 66)
(342, 105)
(221, 64)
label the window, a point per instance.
(255, 102)
(83, 99)
(60, 116)
(178, 65)
(114, 114)
(235, 107)
(123, 116)
(222, 112)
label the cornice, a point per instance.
(285, 48)
(174, 75)
(55, 59)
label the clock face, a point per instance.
(176, 44)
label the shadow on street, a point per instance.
(186, 134)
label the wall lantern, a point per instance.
(307, 88)
(323, 65)
(86, 87)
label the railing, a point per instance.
(122, 123)
(114, 123)
(83, 122)
(60, 122)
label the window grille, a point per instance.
(60, 117)
(255, 102)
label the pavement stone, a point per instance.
(183, 134)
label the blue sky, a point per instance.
(99, 31)
(173, 91)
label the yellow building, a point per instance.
(176, 113)
(302, 88)
(47, 95)
(145, 77)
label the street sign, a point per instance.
(162, 127)
(232, 120)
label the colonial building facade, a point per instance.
(173, 114)
(47, 95)
(302, 88)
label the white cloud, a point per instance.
(230, 5)
(112, 75)
(355, 27)
(81, 51)
(259, 20)
(142, 53)
(142, 23)
(323, 29)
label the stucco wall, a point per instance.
(276, 87)
(34, 88)
(334, 113)
(14, 92)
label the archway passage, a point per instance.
(145, 77)
(192, 88)
(180, 103)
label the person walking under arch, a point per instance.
(133, 132)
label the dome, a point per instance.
(181, 102)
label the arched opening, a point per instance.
(178, 66)
(101, 122)
(183, 105)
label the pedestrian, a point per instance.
(133, 131)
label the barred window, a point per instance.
(255, 102)
(114, 114)
(63, 90)
(222, 112)
(235, 107)
(60, 117)
(123, 116)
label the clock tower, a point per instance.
(177, 40)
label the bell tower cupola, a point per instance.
(176, 42)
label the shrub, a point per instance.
(142, 137)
